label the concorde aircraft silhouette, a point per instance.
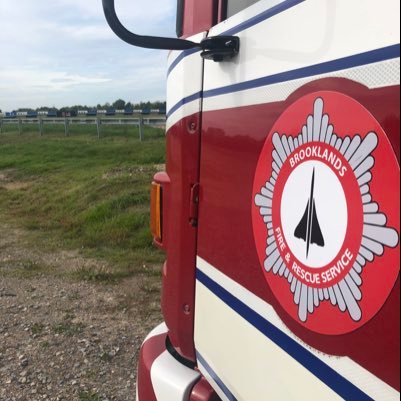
(308, 228)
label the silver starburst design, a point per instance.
(346, 294)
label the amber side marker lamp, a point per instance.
(156, 211)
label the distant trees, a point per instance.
(119, 104)
(27, 109)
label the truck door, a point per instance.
(297, 290)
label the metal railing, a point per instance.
(67, 122)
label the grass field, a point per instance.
(83, 193)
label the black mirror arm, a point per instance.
(218, 48)
(149, 42)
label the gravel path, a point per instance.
(63, 339)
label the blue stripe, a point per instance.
(184, 101)
(323, 372)
(216, 378)
(267, 14)
(178, 60)
(358, 60)
(279, 8)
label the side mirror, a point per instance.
(219, 48)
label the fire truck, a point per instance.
(279, 210)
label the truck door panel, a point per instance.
(247, 343)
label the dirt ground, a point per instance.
(66, 339)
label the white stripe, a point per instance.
(373, 76)
(185, 80)
(349, 369)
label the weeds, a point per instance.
(88, 396)
(68, 329)
(37, 329)
(100, 274)
(23, 269)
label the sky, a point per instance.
(62, 52)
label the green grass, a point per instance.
(25, 268)
(37, 329)
(68, 329)
(83, 193)
(88, 396)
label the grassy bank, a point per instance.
(83, 193)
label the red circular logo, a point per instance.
(326, 213)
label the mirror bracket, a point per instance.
(220, 48)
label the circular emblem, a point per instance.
(326, 213)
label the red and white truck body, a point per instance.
(280, 207)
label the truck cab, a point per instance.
(279, 210)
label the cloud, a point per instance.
(63, 52)
(51, 81)
(128, 10)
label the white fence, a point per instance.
(67, 122)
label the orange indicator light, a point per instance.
(156, 211)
